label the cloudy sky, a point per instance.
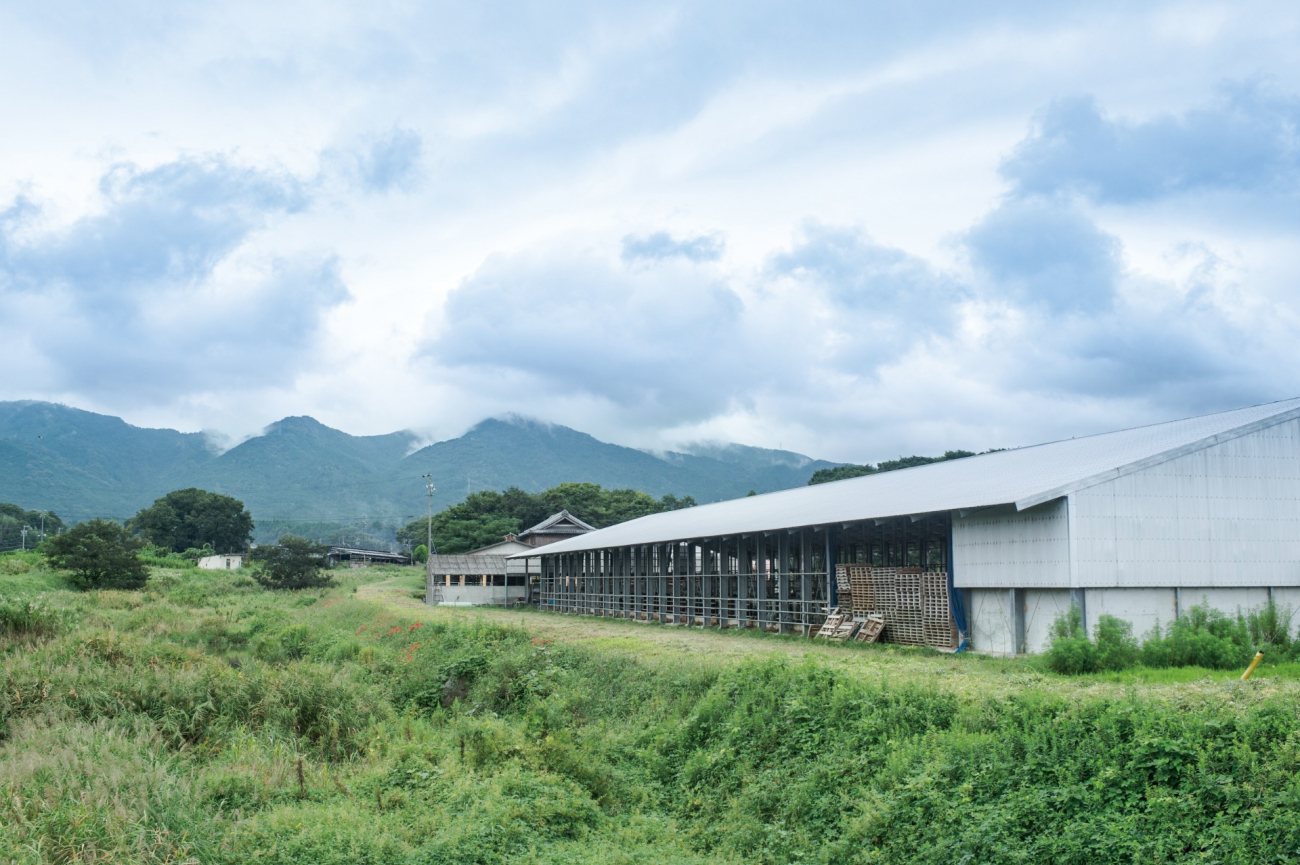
(855, 230)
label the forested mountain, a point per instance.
(80, 464)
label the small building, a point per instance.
(229, 562)
(556, 527)
(487, 577)
(359, 558)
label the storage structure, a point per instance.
(1140, 524)
(499, 574)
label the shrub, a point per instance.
(100, 555)
(1202, 637)
(1270, 628)
(11, 565)
(1071, 652)
(193, 554)
(420, 553)
(293, 563)
(1117, 648)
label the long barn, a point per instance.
(983, 551)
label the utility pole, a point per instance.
(24, 534)
(432, 595)
(428, 522)
(42, 525)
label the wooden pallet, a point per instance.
(871, 629)
(838, 626)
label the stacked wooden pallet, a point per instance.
(913, 603)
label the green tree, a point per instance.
(194, 518)
(13, 518)
(487, 516)
(840, 473)
(100, 554)
(292, 563)
(420, 553)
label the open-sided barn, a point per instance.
(1139, 523)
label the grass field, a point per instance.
(205, 719)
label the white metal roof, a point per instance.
(1024, 477)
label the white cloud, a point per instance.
(850, 229)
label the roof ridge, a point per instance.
(1165, 455)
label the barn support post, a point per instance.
(719, 582)
(692, 593)
(832, 591)
(674, 574)
(782, 582)
(741, 582)
(635, 553)
(805, 583)
(656, 591)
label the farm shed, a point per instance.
(1139, 524)
(486, 577)
(357, 557)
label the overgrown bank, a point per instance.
(207, 718)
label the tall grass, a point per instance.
(29, 617)
(208, 720)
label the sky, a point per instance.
(852, 230)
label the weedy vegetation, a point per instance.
(204, 718)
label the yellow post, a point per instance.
(1259, 656)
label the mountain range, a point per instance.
(81, 464)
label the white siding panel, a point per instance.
(1285, 598)
(1227, 600)
(1003, 548)
(992, 626)
(1143, 608)
(1223, 517)
(1042, 606)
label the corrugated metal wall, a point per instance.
(1003, 548)
(1225, 516)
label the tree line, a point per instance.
(840, 473)
(13, 519)
(486, 517)
(192, 523)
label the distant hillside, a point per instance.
(81, 464)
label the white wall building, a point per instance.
(1140, 524)
(222, 563)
